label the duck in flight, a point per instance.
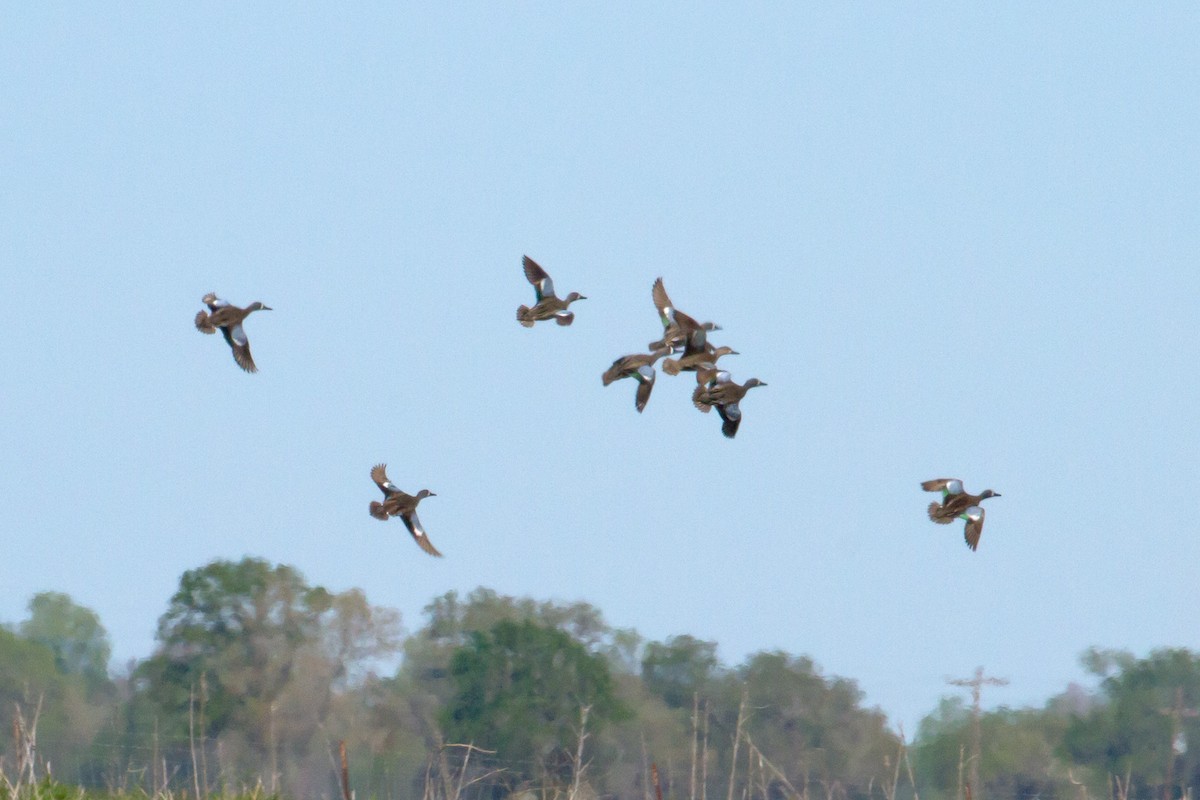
(640, 367)
(228, 318)
(958, 504)
(548, 305)
(680, 332)
(716, 389)
(398, 504)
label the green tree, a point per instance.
(73, 634)
(813, 727)
(677, 669)
(53, 705)
(1130, 729)
(252, 656)
(1020, 757)
(519, 689)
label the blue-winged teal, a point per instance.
(693, 360)
(398, 504)
(679, 330)
(548, 305)
(957, 504)
(640, 367)
(229, 319)
(716, 389)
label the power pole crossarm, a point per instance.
(976, 685)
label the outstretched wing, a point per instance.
(235, 336)
(213, 302)
(413, 523)
(379, 475)
(731, 418)
(542, 285)
(662, 303)
(974, 528)
(947, 486)
(645, 377)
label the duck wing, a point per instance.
(947, 486)
(662, 303)
(542, 285)
(235, 337)
(413, 523)
(619, 369)
(213, 302)
(974, 529)
(731, 418)
(645, 377)
(379, 475)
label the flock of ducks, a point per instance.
(682, 336)
(685, 337)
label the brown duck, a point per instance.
(716, 389)
(679, 330)
(548, 305)
(693, 360)
(957, 504)
(640, 367)
(229, 320)
(398, 504)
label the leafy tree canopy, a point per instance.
(72, 633)
(519, 689)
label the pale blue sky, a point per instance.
(956, 240)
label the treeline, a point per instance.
(258, 680)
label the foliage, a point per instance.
(252, 656)
(520, 688)
(50, 680)
(73, 633)
(679, 668)
(812, 726)
(1019, 758)
(1131, 729)
(257, 676)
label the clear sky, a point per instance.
(955, 239)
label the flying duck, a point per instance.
(640, 367)
(716, 389)
(398, 504)
(548, 305)
(957, 504)
(229, 319)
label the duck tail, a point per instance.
(611, 374)
(377, 511)
(523, 316)
(670, 366)
(698, 401)
(936, 514)
(203, 323)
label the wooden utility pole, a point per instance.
(695, 742)
(345, 763)
(1176, 712)
(976, 685)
